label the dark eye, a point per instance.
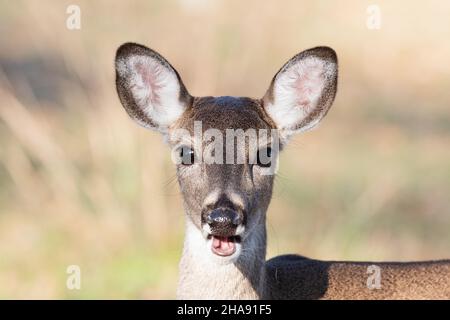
(187, 155)
(264, 157)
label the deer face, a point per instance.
(225, 148)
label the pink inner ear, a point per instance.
(152, 82)
(308, 84)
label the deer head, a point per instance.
(226, 186)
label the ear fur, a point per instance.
(149, 88)
(303, 90)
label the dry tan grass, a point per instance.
(81, 184)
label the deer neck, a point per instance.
(203, 277)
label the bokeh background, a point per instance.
(81, 184)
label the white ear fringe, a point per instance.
(297, 91)
(154, 87)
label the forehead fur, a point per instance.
(226, 113)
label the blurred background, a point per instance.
(81, 184)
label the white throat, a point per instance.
(205, 276)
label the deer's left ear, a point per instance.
(302, 92)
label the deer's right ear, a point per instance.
(149, 88)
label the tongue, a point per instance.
(223, 246)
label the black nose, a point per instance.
(223, 222)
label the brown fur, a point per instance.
(296, 277)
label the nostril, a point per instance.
(223, 217)
(237, 220)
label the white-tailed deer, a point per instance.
(226, 201)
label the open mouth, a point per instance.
(224, 246)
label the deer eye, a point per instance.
(264, 157)
(187, 155)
